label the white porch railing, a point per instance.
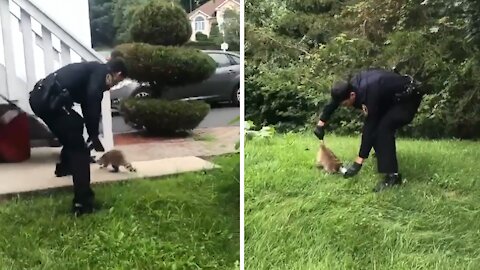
(33, 46)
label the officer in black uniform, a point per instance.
(389, 101)
(52, 100)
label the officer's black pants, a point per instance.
(68, 128)
(399, 115)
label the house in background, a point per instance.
(209, 13)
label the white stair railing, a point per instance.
(37, 32)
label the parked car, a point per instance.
(223, 85)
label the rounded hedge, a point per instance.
(199, 36)
(166, 66)
(161, 23)
(161, 117)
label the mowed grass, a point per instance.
(189, 221)
(297, 217)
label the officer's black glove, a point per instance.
(95, 144)
(352, 170)
(319, 132)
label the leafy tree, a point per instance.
(101, 22)
(231, 29)
(320, 41)
(123, 18)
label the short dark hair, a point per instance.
(117, 64)
(341, 91)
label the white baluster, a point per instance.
(26, 26)
(47, 50)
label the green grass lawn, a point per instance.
(189, 221)
(297, 217)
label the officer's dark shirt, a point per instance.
(376, 90)
(86, 84)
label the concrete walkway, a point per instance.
(205, 142)
(151, 156)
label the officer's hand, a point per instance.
(319, 132)
(352, 170)
(95, 144)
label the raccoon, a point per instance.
(327, 160)
(116, 159)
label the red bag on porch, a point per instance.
(14, 136)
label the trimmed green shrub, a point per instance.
(215, 35)
(161, 23)
(199, 36)
(166, 66)
(161, 117)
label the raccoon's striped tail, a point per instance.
(129, 167)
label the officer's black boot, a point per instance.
(83, 201)
(62, 170)
(390, 180)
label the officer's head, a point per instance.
(342, 93)
(117, 71)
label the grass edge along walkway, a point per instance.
(184, 221)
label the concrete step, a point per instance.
(37, 175)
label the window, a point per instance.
(199, 24)
(221, 59)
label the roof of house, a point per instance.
(210, 7)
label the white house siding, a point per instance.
(209, 20)
(71, 15)
(207, 23)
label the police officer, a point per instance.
(389, 102)
(52, 100)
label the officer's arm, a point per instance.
(328, 110)
(92, 107)
(370, 124)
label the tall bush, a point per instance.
(158, 30)
(161, 23)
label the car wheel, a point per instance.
(236, 96)
(141, 94)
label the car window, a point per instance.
(236, 59)
(221, 59)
